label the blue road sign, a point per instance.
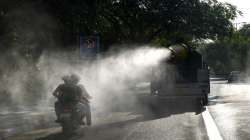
(89, 46)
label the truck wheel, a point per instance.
(205, 100)
(199, 105)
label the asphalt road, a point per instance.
(138, 124)
(229, 109)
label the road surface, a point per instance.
(230, 108)
(228, 111)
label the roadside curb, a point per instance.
(212, 130)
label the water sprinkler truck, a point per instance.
(183, 75)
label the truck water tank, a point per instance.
(179, 53)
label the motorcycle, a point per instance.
(71, 117)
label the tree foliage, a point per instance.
(229, 53)
(144, 21)
(131, 21)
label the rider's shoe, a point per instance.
(82, 123)
(57, 120)
(88, 124)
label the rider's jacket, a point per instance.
(69, 93)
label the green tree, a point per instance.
(144, 21)
(229, 53)
(124, 21)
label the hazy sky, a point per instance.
(242, 5)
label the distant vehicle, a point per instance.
(235, 77)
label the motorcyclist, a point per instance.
(83, 97)
(70, 92)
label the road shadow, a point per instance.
(144, 110)
(151, 107)
(61, 136)
(166, 107)
(89, 132)
(56, 136)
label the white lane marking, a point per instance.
(212, 130)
